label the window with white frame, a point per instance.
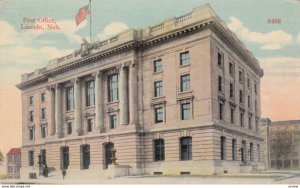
(69, 98)
(31, 133)
(158, 88)
(186, 148)
(184, 58)
(113, 94)
(113, 120)
(43, 97)
(157, 66)
(185, 83)
(223, 148)
(159, 150)
(43, 130)
(158, 113)
(90, 124)
(43, 112)
(90, 93)
(186, 110)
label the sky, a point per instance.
(276, 45)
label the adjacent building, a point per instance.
(179, 97)
(13, 158)
(282, 143)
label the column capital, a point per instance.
(98, 73)
(57, 86)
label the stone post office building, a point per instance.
(179, 97)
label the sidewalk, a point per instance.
(220, 179)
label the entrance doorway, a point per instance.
(108, 155)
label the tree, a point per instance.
(1, 158)
(281, 147)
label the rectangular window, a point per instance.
(242, 118)
(31, 100)
(159, 114)
(255, 105)
(248, 83)
(113, 121)
(184, 58)
(65, 157)
(43, 131)
(90, 125)
(185, 83)
(158, 89)
(69, 128)
(31, 116)
(234, 150)
(232, 115)
(249, 101)
(220, 59)
(70, 98)
(241, 76)
(85, 149)
(31, 133)
(251, 152)
(241, 97)
(220, 84)
(256, 125)
(31, 158)
(43, 157)
(250, 121)
(255, 87)
(157, 65)
(90, 93)
(159, 150)
(43, 97)
(231, 91)
(221, 111)
(231, 69)
(185, 111)
(186, 148)
(43, 113)
(258, 152)
(113, 88)
(223, 148)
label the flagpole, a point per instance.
(90, 3)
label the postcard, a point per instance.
(150, 92)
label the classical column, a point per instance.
(51, 94)
(99, 102)
(77, 110)
(123, 95)
(58, 111)
(133, 93)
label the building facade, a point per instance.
(13, 158)
(282, 142)
(180, 97)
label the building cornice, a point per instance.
(166, 31)
(26, 84)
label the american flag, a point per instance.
(82, 14)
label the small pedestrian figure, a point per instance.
(64, 172)
(45, 171)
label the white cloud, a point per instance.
(1, 3)
(273, 40)
(16, 48)
(30, 56)
(281, 66)
(111, 30)
(8, 34)
(69, 29)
